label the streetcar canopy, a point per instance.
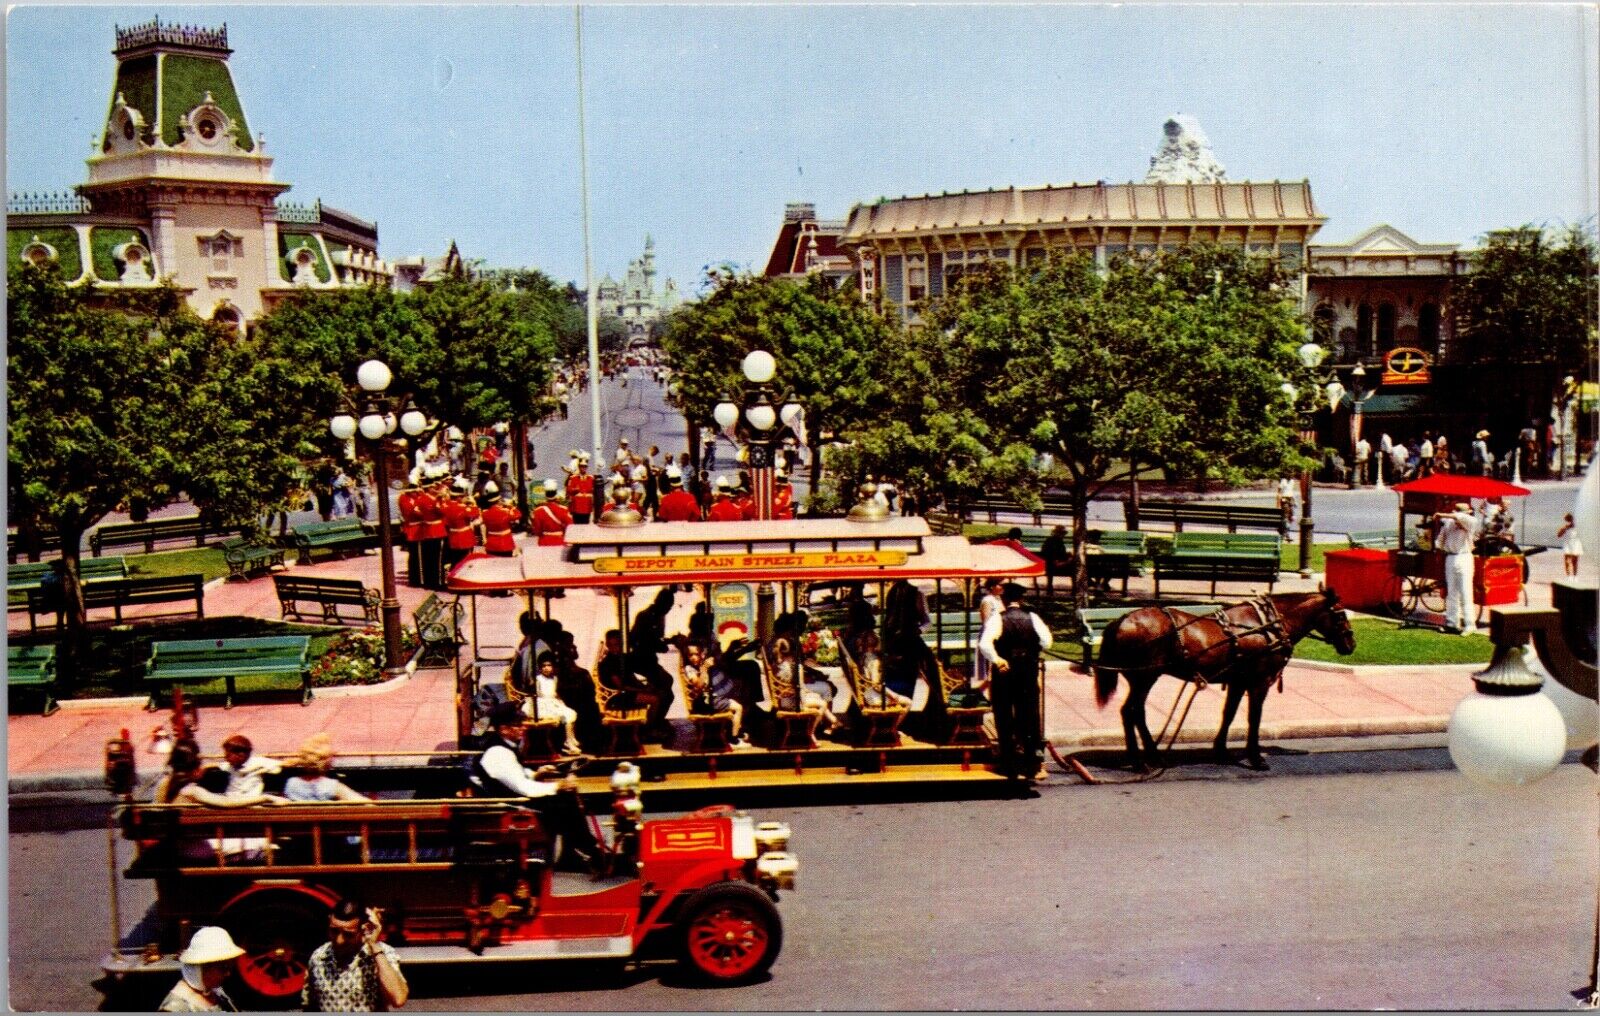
(800, 550)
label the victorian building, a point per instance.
(179, 189)
(909, 249)
(807, 245)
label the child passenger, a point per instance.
(710, 689)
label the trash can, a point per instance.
(1362, 577)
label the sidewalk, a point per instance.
(416, 714)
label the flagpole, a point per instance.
(588, 262)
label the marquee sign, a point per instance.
(748, 562)
(1406, 365)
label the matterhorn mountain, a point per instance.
(1185, 155)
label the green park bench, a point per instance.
(119, 593)
(42, 543)
(1052, 505)
(438, 625)
(947, 629)
(201, 663)
(148, 534)
(1095, 620)
(338, 536)
(1220, 557)
(1232, 517)
(328, 595)
(1121, 552)
(943, 523)
(33, 667)
(1374, 539)
(246, 555)
(21, 578)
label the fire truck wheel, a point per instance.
(729, 933)
(277, 932)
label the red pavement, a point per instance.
(417, 714)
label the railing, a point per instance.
(178, 35)
(64, 203)
(308, 214)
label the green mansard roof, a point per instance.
(180, 64)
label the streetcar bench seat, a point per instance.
(962, 723)
(328, 595)
(438, 625)
(148, 534)
(1095, 620)
(876, 720)
(246, 556)
(1374, 539)
(338, 536)
(623, 728)
(1220, 557)
(33, 667)
(278, 659)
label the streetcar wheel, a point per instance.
(730, 933)
(277, 934)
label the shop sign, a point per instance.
(1406, 365)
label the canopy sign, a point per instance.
(747, 562)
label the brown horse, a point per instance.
(1245, 646)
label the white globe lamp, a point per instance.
(1311, 354)
(726, 414)
(374, 375)
(342, 426)
(761, 416)
(373, 427)
(759, 366)
(790, 413)
(1507, 733)
(413, 422)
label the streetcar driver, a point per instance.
(498, 772)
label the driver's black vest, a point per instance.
(480, 777)
(1018, 642)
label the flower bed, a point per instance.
(356, 657)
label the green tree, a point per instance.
(134, 404)
(491, 358)
(1530, 299)
(1061, 374)
(826, 341)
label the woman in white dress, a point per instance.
(1571, 546)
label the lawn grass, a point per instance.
(208, 561)
(1382, 642)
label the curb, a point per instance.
(338, 691)
(1112, 737)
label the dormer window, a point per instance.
(221, 248)
(207, 127)
(37, 252)
(133, 260)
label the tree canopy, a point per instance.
(1531, 299)
(1060, 374)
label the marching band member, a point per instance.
(551, 519)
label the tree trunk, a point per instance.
(814, 447)
(693, 432)
(72, 609)
(1133, 501)
(519, 464)
(1080, 540)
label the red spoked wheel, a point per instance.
(277, 933)
(730, 933)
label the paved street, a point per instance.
(1370, 880)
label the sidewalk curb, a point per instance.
(1112, 737)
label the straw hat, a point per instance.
(210, 945)
(1480, 435)
(1463, 506)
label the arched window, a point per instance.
(1322, 326)
(1428, 327)
(1385, 327)
(1364, 329)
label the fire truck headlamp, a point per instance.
(771, 836)
(777, 869)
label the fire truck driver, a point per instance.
(498, 772)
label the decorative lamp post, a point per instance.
(756, 424)
(1362, 387)
(376, 422)
(1507, 732)
(1311, 356)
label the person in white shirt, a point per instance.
(990, 606)
(245, 771)
(547, 704)
(1012, 641)
(1457, 531)
(1363, 456)
(498, 772)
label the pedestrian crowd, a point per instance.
(1534, 454)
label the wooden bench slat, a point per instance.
(200, 660)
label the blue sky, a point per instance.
(460, 123)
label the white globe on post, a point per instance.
(413, 422)
(373, 427)
(1586, 509)
(759, 366)
(790, 413)
(342, 426)
(762, 417)
(1335, 392)
(1289, 390)
(1311, 354)
(374, 375)
(726, 414)
(1511, 736)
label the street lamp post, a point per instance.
(377, 421)
(1362, 388)
(757, 425)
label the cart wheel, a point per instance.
(730, 933)
(1423, 594)
(277, 933)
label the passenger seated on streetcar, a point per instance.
(874, 693)
(575, 685)
(859, 618)
(181, 785)
(498, 772)
(710, 688)
(616, 675)
(810, 698)
(245, 770)
(546, 703)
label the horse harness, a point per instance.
(1269, 624)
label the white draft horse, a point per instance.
(1245, 646)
